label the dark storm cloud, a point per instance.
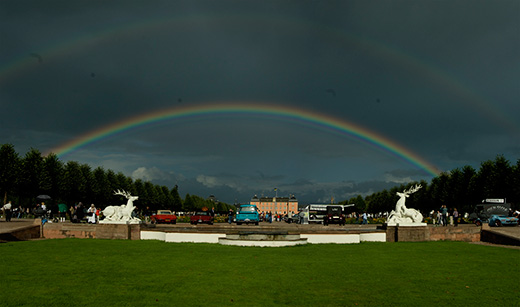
(439, 78)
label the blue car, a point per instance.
(499, 220)
(247, 214)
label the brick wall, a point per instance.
(470, 233)
(467, 233)
(91, 231)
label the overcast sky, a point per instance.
(438, 79)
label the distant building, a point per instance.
(276, 204)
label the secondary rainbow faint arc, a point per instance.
(295, 114)
(428, 71)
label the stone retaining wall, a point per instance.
(21, 234)
(133, 232)
(91, 231)
(498, 238)
(451, 233)
(469, 233)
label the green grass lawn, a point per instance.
(88, 272)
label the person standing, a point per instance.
(7, 211)
(365, 219)
(44, 209)
(230, 216)
(439, 218)
(98, 212)
(444, 215)
(92, 214)
(456, 217)
(80, 212)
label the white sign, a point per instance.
(495, 200)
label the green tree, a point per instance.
(100, 188)
(73, 184)
(515, 199)
(188, 204)
(112, 185)
(359, 202)
(152, 197)
(176, 199)
(439, 191)
(87, 188)
(459, 183)
(380, 202)
(9, 170)
(30, 176)
(141, 192)
(124, 183)
(166, 199)
(493, 180)
(421, 199)
(52, 172)
(502, 178)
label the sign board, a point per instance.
(494, 201)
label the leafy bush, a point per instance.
(221, 219)
(183, 219)
(380, 220)
(353, 220)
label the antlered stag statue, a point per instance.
(401, 214)
(123, 213)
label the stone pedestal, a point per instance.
(133, 222)
(263, 239)
(406, 224)
(119, 231)
(409, 232)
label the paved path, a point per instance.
(513, 231)
(14, 224)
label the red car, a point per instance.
(164, 216)
(201, 217)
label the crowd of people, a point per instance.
(445, 217)
(76, 213)
(79, 213)
(10, 211)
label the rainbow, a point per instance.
(429, 72)
(284, 112)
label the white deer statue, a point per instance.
(401, 214)
(123, 213)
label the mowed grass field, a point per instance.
(90, 272)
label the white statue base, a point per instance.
(133, 222)
(406, 224)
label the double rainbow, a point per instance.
(322, 121)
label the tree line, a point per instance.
(22, 179)
(461, 188)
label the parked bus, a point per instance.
(316, 213)
(489, 207)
